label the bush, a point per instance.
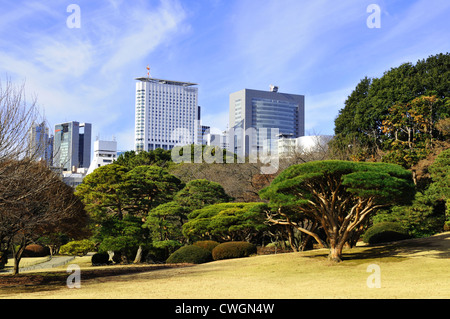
(190, 254)
(100, 259)
(34, 250)
(385, 232)
(233, 249)
(77, 248)
(207, 244)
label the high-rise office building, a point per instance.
(40, 143)
(72, 145)
(254, 113)
(167, 114)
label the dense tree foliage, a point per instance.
(158, 157)
(201, 192)
(429, 212)
(397, 113)
(226, 222)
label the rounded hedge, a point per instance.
(100, 259)
(233, 249)
(207, 244)
(385, 232)
(190, 254)
(34, 250)
(77, 248)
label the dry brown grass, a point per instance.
(417, 268)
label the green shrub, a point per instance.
(34, 250)
(77, 248)
(385, 232)
(207, 244)
(233, 249)
(190, 254)
(100, 259)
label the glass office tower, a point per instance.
(72, 145)
(256, 115)
(40, 143)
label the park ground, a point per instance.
(410, 269)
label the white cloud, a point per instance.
(143, 33)
(64, 59)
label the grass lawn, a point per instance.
(417, 268)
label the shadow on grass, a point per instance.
(386, 253)
(437, 246)
(42, 281)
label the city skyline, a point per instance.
(319, 49)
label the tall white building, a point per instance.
(167, 114)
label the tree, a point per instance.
(226, 222)
(146, 187)
(201, 192)
(119, 199)
(165, 226)
(102, 192)
(410, 130)
(16, 117)
(158, 157)
(35, 203)
(340, 195)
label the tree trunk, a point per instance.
(17, 255)
(335, 252)
(138, 257)
(291, 239)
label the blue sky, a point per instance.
(320, 49)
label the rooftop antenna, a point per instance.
(148, 71)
